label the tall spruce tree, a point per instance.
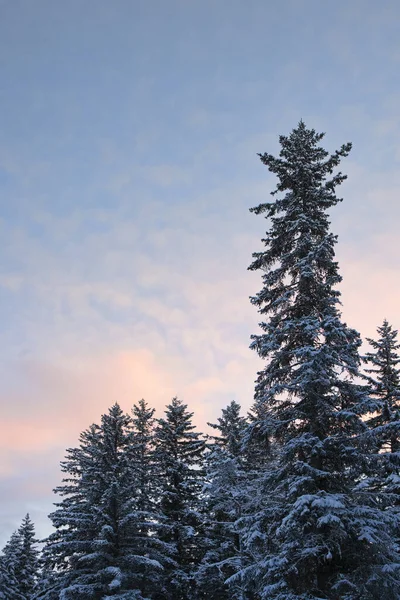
(319, 535)
(97, 551)
(180, 456)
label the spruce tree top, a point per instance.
(385, 360)
(231, 426)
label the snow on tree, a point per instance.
(224, 500)
(9, 561)
(97, 550)
(384, 382)
(19, 565)
(231, 426)
(180, 457)
(28, 564)
(319, 533)
(150, 520)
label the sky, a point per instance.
(129, 135)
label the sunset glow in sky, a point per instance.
(128, 160)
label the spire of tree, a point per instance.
(143, 455)
(384, 377)
(230, 426)
(180, 455)
(318, 535)
(28, 564)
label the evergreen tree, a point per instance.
(384, 381)
(7, 582)
(143, 456)
(231, 426)
(149, 517)
(180, 455)
(19, 565)
(97, 550)
(28, 564)
(319, 533)
(9, 560)
(224, 500)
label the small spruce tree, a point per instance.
(384, 381)
(28, 564)
(384, 423)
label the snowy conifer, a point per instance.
(180, 455)
(231, 426)
(28, 563)
(225, 499)
(319, 534)
(97, 551)
(149, 519)
(384, 381)
(9, 561)
(19, 566)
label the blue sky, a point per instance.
(128, 161)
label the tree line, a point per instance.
(297, 500)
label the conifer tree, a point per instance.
(19, 566)
(231, 426)
(97, 550)
(74, 519)
(384, 423)
(224, 500)
(143, 456)
(384, 380)
(9, 560)
(180, 456)
(319, 533)
(28, 564)
(150, 520)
